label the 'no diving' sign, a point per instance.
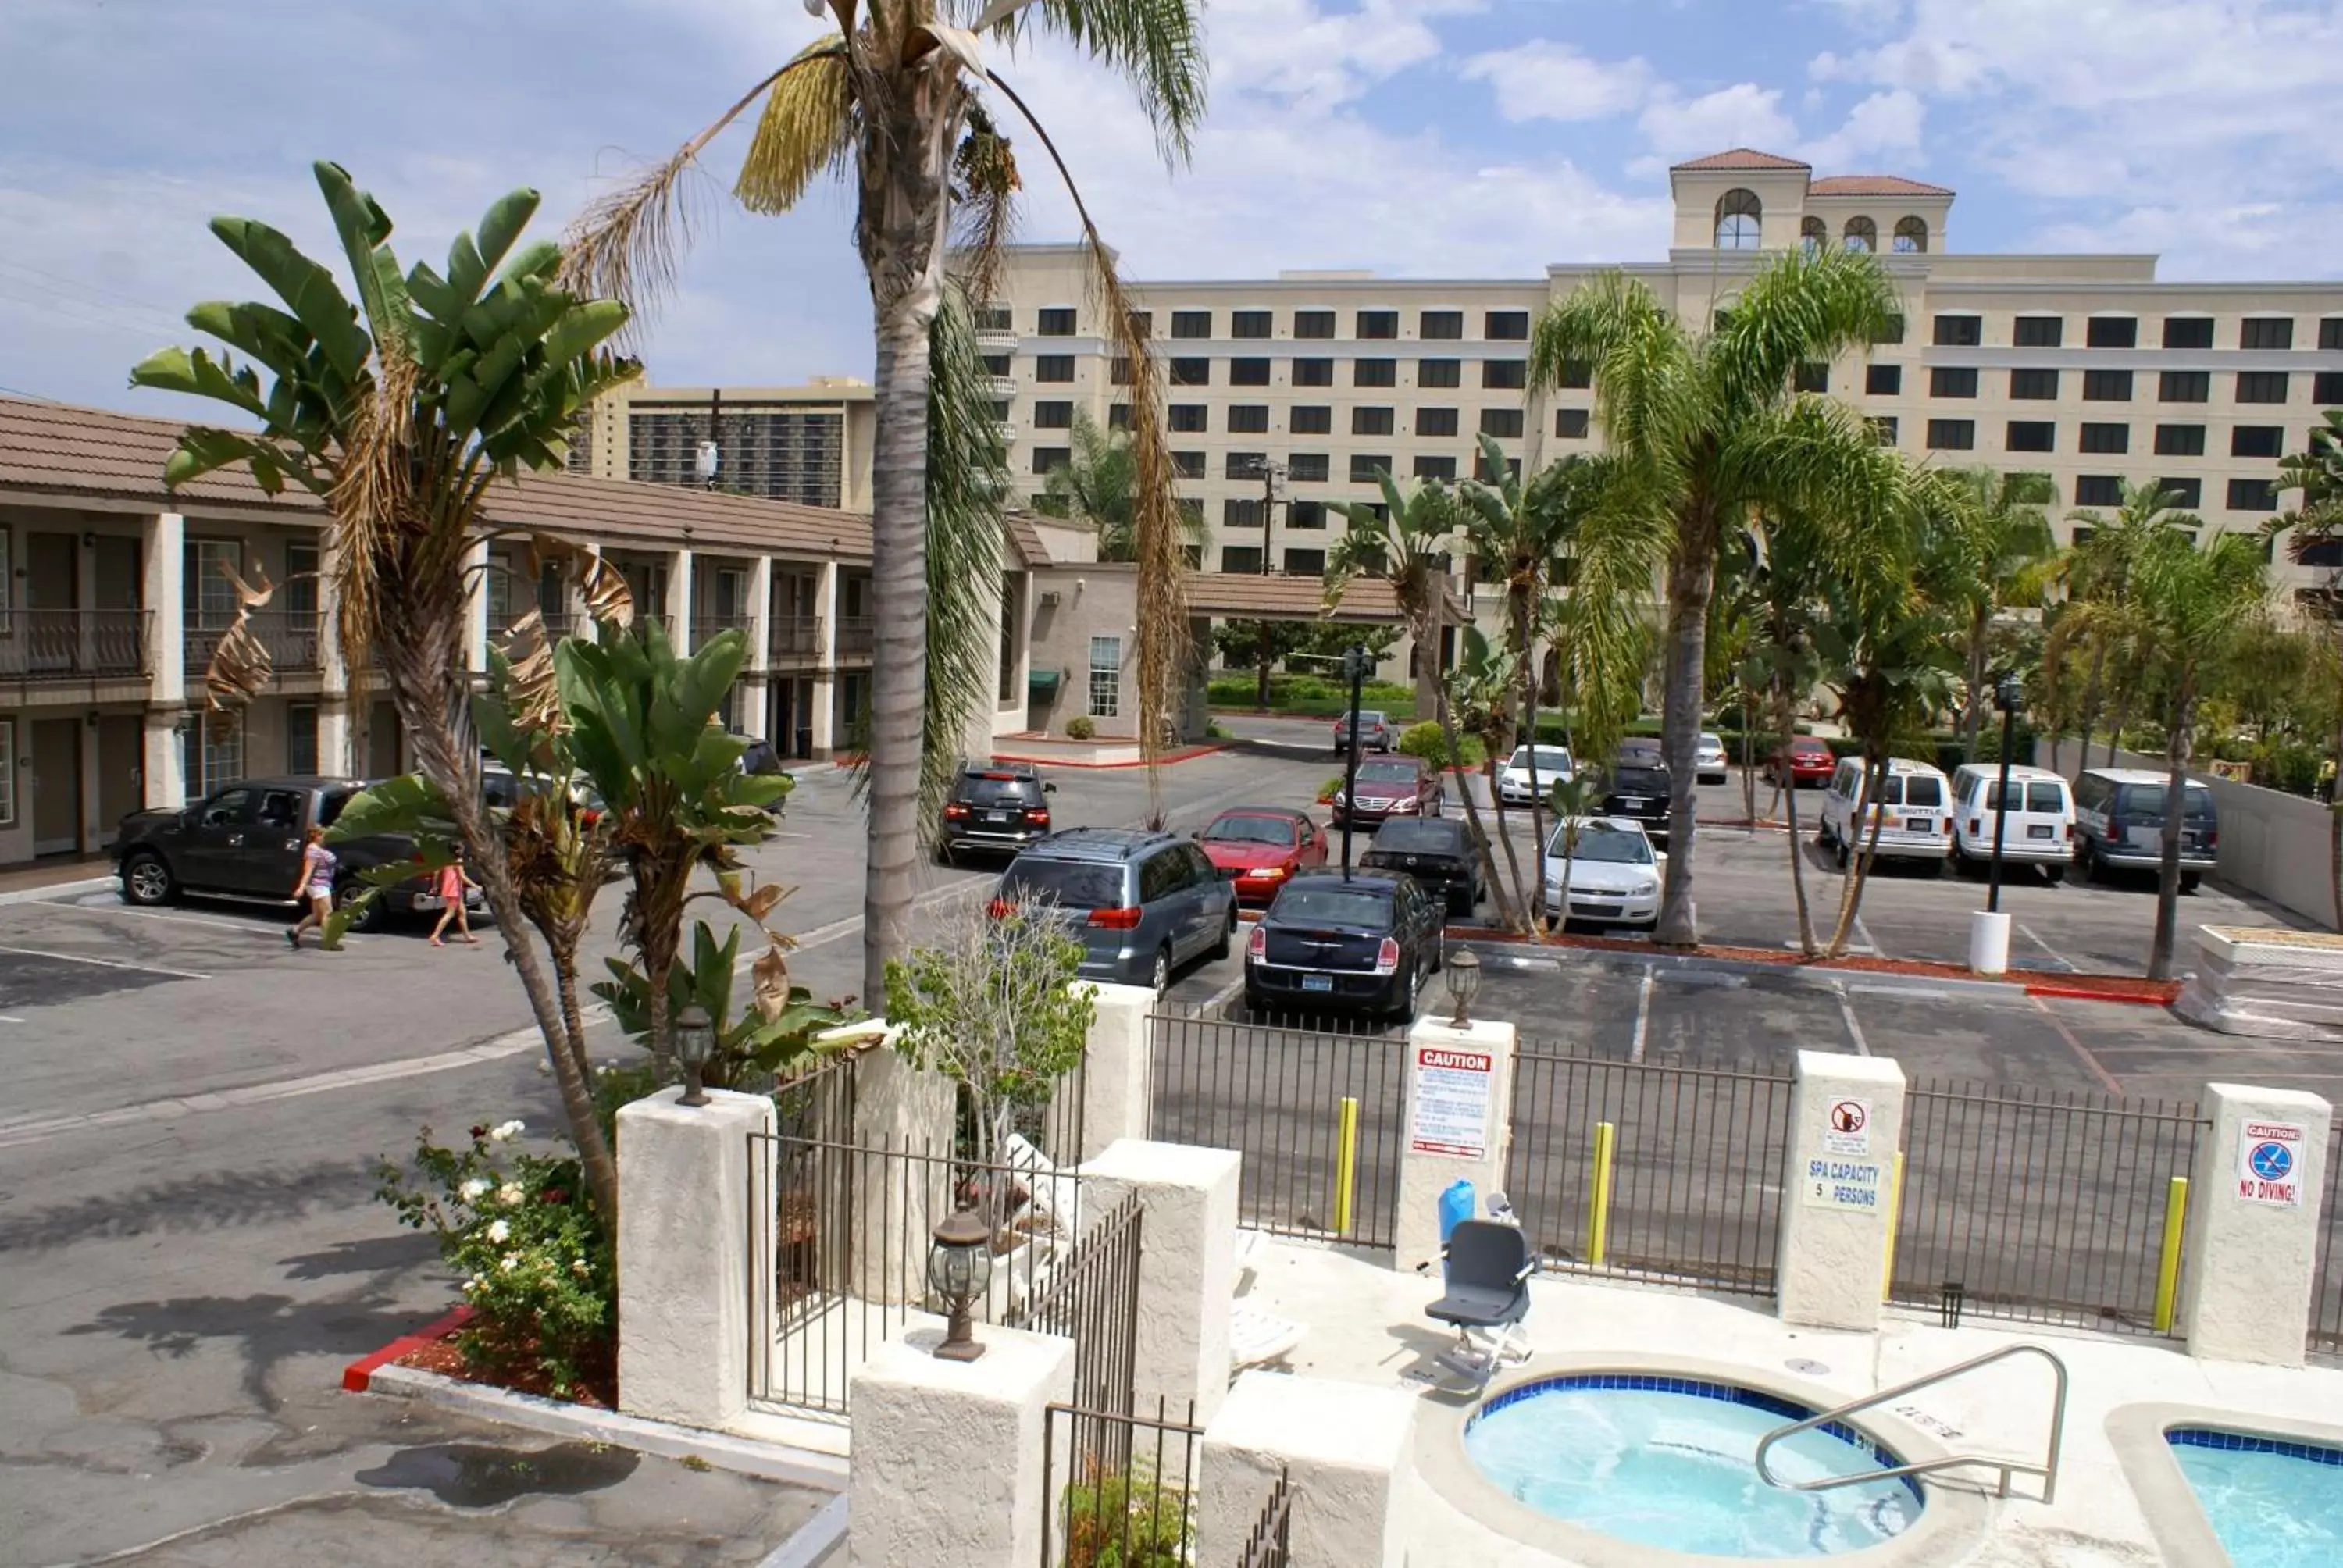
(2269, 1163)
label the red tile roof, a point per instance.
(1743, 158)
(1873, 185)
(1249, 596)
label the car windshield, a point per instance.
(1386, 773)
(1278, 830)
(1421, 838)
(1712, 742)
(1336, 906)
(999, 789)
(1370, 715)
(1602, 841)
(1074, 884)
(1634, 781)
(1550, 758)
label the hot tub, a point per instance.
(2272, 1501)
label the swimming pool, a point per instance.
(2274, 1503)
(1670, 1463)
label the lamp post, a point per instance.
(1354, 666)
(2007, 696)
(1462, 972)
(960, 1268)
(1269, 472)
(694, 1038)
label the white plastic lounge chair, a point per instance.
(1053, 1190)
(1256, 1337)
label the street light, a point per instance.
(2007, 696)
(959, 1267)
(1463, 975)
(695, 1039)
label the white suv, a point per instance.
(1916, 812)
(2040, 826)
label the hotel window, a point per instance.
(1577, 374)
(1106, 677)
(1505, 424)
(1305, 514)
(1305, 563)
(1860, 234)
(2327, 388)
(1191, 323)
(2258, 441)
(1440, 326)
(208, 600)
(1311, 420)
(1249, 323)
(1487, 474)
(1248, 372)
(1439, 374)
(1244, 559)
(1121, 373)
(1959, 331)
(2107, 385)
(2188, 332)
(1118, 416)
(7, 772)
(1053, 368)
(1952, 381)
(1441, 468)
(1307, 468)
(2097, 490)
(1569, 424)
(1057, 321)
(999, 407)
(1738, 220)
(2261, 386)
(1378, 323)
(1373, 421)
(997, 365)
(1436, 421)
(2033, 385)
(1244, 465)
(1053, 416)
(1191, 518)
(2038, 331)
(2111, 439)
(1192, 373)
(1811, 378)
(1313, 373)
(2253, 495)
(1505, 325)
(993, 318)
(1187, 465)
(1883, 380)
(1313, 324)
(1813, 235)
(2186, 493)
(1048, 459)
(1911, 237)
(2112, 332)
(301, 739)
(1374, 373)
(1504, 374)
(1952, 435)
(2180, 440)
(1891, 330)
(216, 750)
(2266, 331)
(1365, 466)
(1237, 512)
(2330, 333)
(1248, 419)
(2030, 436)
(2185, 386)
(1884, 428)
(1142, 323)
(1192, 418)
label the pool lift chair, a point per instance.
(1488, 1263)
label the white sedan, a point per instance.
(1615, 872)
(1708, 761)
(1513, 782)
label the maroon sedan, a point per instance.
(1260, 848)
(1809, 763)
(1392, 787)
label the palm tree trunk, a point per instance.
(1748, 778)
(1506, 915)
(1975, 718)
(2121, 717)
(2091, 700)
(1690, 577)
(1525, 652)
(1427, 636)
(2177, 751)
(2334, 826)
(1858, 873)
(1262, 657)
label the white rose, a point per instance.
(509, 1195)
(471, 1192)
(579, 1267)
(499, 1231)
(505, 1130)
(511, 1261)
(476, 1283)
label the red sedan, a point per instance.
(1256, 849)
(1810, 763)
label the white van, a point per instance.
(1915, 803)
(2040, 828)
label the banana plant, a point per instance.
(779, 1029)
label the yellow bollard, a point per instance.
(2168, 1266)
(1346, 1164)
(1895, 1215)
(1598, 1221)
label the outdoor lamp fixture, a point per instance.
(2007, 694)
(695, 1038)
(959, 1267)
(1464, 972)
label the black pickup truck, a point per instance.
(246, 842)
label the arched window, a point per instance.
(1862, 234)
(1813, 235)
(1911, 237)
(1737, 215)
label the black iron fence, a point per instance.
(1118, 1487)
(73, 644)
(1649, 1171)
(1315, 1113)
(2040, 1205)
(1093, 1299)
(1267, 1546)
(793, 636)
(2327, 1284)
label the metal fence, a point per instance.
(1649, 1171)
(1119, 1487)
(1093, 1299)
(1267, 1546)
(2040, 1205)
(2327, 1284)
(1315, 1112)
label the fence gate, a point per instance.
(2327, 1284)
(1118, 1487)
(2041, 1205)
(1315, 1112)
(1649, 1171)
(1093, 1299)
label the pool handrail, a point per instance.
(2047, 1470)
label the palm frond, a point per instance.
(1158, 45)
(807, 129)
(984, 213)
(1799, 309)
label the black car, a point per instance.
(1366, 943)
(1440, 854)
(998, 807)
(1639, 790)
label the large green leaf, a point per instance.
(409, 803)
(307, 289)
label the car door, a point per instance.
(1214, 899)
(269, 862)
(212, 843)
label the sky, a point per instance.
(1457, 139)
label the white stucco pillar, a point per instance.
(687, 1230)
(476, 607)
(945, 1465)
(163, 564)
(1345, 1448)
(334, 735)
(680, 599)
(760, 615)
(1456, 1113)
(1187, 1262)
(1118, 1068)
(905, 1112)
(1846, 1122)
(2254, 1223)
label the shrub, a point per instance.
(1328, 789)
(1080, 728)
(1426, 741)
(1118, 1520)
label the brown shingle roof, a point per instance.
(1026, 540)
(1873, 185)
(1742, 159)
(59, 450)
(1242, 596)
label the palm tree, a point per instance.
(1703, 424)
(1098, 486)
(2318, 523)
(900, 101)
(1789, 613)
(2191, 606)
(2096, 571)
(1481, 698)
(2007, 560)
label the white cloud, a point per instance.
(1312, 57)
(1544, 80)
(1742, 116)
(1885, 125)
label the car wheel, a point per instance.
(346, 892)
(1254, 1004)
(2054, 874)
(1839, 846)
(147, 881)
(1227, 943)
(1406, 1008)
(1461, 903)
(2188, 880)
(1160, 977)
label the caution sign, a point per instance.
(1846, 1128)
(1453, 1094)
(2269, 1163)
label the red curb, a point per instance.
(2170, 990)
(359, 1374)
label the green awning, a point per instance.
(1043, 683)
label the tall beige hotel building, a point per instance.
(2084, 366)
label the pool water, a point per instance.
(2274, 1504)
(1672, 1463)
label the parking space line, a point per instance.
(1854, 1029)
(106, 964)
(1643, 1015)
(2056, 956)
(109, 912)
(1863, 938)
(2082, 1052)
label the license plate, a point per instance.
(2041, 832)
(1919, 825)
(1317, 982)
(996, 816)
(1631, 803)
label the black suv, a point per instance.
(1636, 788)
(998, 807)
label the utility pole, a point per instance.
(1354, 665)
(1270, 472)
